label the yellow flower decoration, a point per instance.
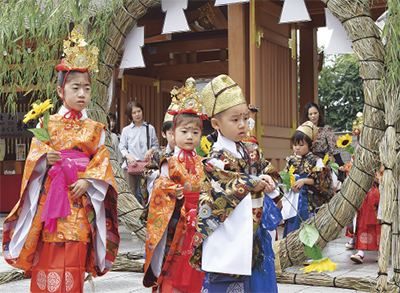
(292, 178)
(344, 141)
(37, 109)
(326, 159)
(320, 265)
(29, 116)
(205, 145)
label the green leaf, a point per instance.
(349, 149)
(41, 134)
(46, 118)
(313, 252)
(309, 235)
(334, 166)
(285, 180)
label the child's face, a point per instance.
(187, 136)
(169, 135)
(77, 91)
(112, 124)
(233, 123)
(137, 115)
(301, 148)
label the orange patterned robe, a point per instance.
(83, 136)
(167, 213)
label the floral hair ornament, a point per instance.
(357, 123)
(77, 58)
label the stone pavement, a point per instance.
(121, 282)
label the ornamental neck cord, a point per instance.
(188, 158)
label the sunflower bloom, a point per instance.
(344, 141)
(41, 108)
(205, 145)
(28, 116)
(320, 265)
(326, 159)
(292, 178)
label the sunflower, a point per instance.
(344, 141)
(326, 159)
(320, 265)
(205, 145)
(37, 109)
(29, 116)
(292, 178)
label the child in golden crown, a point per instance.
(65, 223)
(172, 211)
(232, 243)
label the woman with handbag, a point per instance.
(138, 142)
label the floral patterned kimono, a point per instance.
(229, 213)
(84, 240)
(170, 227)
(311, 197)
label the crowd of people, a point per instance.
(211, 221)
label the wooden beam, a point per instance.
(158, 38)
(182, 71)
(192, 45)
(308, 67)
(238, 40)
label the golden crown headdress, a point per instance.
(358, 123)
(186, 100)
(77, 56)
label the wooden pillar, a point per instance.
(238, 46)
(308, 67)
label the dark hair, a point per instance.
(321, 119)
(299, 136)
(129, 107)
(112, 117)
(61, 76)
(187, 118)
(167, 126)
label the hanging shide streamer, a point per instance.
(133, 57)
(294, 11)
(339, 42)
(175, 18)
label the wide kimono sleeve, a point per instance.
(321, 177)
(150, 173)
(221, 192)
(162, 238)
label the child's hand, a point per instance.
(270, 183)
(298, 185)
(179, 192)
(53, 157)
(342, 168)
(79, 188)
(260, 186)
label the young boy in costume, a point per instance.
(172, 209)
(229, 243)
(57, 232)
(307, 193)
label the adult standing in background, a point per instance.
(115, 136)
(138, 142)
(326, 140)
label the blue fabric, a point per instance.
(263, 278)
(288, 226)
(214, 283)
(302, 206)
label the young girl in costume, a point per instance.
(172, 211)
(309, 191)
(56, 233)
(232, 244)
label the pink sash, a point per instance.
(57, 203)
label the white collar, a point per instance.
(177, 151)
(168, 149)
(63, 110)
(227, 144)
(297, 156)
(134, 125)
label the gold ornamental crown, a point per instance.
(220, 94)
(77, 55)
(186, 99)
(309, 129)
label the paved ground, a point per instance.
(119, 282)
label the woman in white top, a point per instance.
(138, 142)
